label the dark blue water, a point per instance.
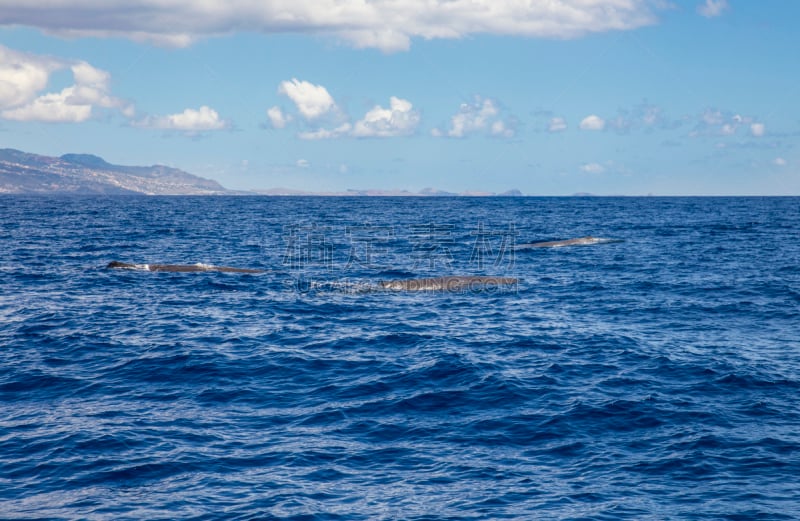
(657, 378)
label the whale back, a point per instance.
(579, 241)
(180, 268)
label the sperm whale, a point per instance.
(580, 241)
(180, 268)
(451, 283)
(448, 283)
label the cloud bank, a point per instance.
(323, 119)
(714, 122)
(24, 76)
(389, 25)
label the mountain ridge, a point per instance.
(27, 173)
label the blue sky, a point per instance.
(550, 97)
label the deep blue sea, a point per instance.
(655, 378)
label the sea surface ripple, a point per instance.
(656, 378)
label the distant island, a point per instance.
(86, 174)
(425, 192)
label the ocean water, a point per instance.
(655, 378)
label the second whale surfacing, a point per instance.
(580, 241)
(450, 283)
(180, 268)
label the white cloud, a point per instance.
(323, 133)
(500, 129)
(643, 116)
(92, 87)
(23, 76)
(400, 119)
(384, 24)
(779, 161)
(758, 129)
(472, 117)
(557, 125)
(593, 168)
(483, 115)
(277, 118)
(650, 115)
(325, 120)
(311, 100)
(592, 123)
(190, 120)
(52, 108)
(712, 8)
(303, 163)
(712, 117)
(713, 122)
